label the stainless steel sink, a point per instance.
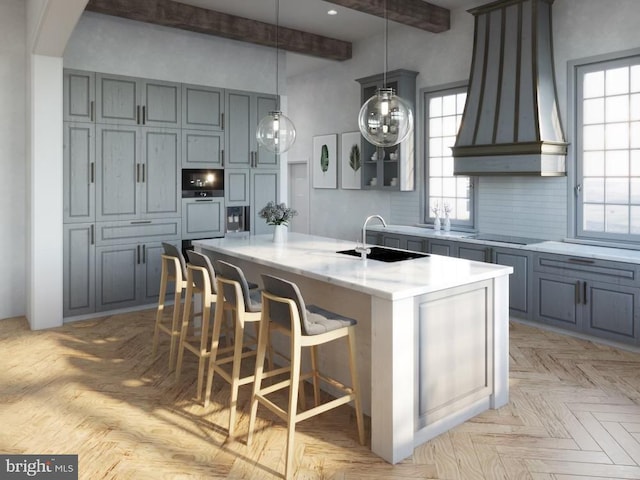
(386, 254)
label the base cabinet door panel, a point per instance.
(117, 276)
(519, 280)
(611, 311)
(441, 247)
(556, 301)
(79, 269)
(479, 253)
(202, 217)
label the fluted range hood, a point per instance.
(511, 124)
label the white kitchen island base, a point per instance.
(432, 334)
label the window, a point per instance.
(608, 149)
(443, 113)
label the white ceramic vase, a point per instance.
(280, 234)
(447, 224)
(436, 224)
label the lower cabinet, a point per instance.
(441, 247)
(128, 275)
(254, 188)
(596, 297)
(520, 289)
(79, 278)
(202, 217)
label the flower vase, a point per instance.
(447, 224)
(436, 224)
(280, 234)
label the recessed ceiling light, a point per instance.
(332, 12)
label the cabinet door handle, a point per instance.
(140, 222)
(92, 235)
(144, 254)
(143, 173)
(584, 292)
(91, 110)
(222, 158)
(251, 159)
(144, 115)
(585, 261)
(138, 114)
(92, 172)
(577, 292)
(138, 254)
(222, 120)
(257, 159)
(137, 173)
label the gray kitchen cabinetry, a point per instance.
(405, 242)
(79, 269)
(202, 108)
(202, 149)
(128, 274)
(243, 112)
(265, 185)
(202, 217)
(392, 162)
(471, 251)
(441, 247)
(137, 172)
(592, 296)
(135, 101)
(79, 96)
(520, 288)
(78, 172)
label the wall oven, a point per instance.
(202, 182)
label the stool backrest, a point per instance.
(199, 260)
(279, 312)
(172, 251)
(231, 272)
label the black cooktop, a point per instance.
(492, 237)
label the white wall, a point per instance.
(13, 211)
(327, 101)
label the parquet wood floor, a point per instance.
(91, 388)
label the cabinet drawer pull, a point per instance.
(138, 114)
(584, 292)
(137, 173)
(222, 120)
(144, 254)
(144, 175)
(91, 110)
(577, 292)
(144, 115)
(204, 200)
(92, 172)
(222, 158)
(257, 159)
(138, 255)
(92, 235)
(584, 261)
(140, 222)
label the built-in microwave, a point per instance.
(202, 182)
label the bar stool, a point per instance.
(236, 297)
(173, 270)
(201, 279)
(284, 311)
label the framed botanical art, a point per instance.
(350, 161)
(325, 161)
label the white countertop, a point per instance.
(316, 257)
(560, 248)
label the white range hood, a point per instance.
(511, 124)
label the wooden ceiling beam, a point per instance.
(415, 13)
(187, 17)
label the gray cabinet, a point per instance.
(137, 172)
(441, 247)
(520, 288)
(243, 112)
(202, 108)
(470, 251)
(202, 217)
(405, 242)
(397, 162)
(265, 185)
(202, 149)
(133, 101)
(127, 274)
(591, 296)
(78, 172)
(79, 96)
(79, 269)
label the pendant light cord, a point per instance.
(278, 55)
(386, 35)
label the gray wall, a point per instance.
(327, 102)
(13, 81)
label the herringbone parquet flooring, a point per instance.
(92, 389)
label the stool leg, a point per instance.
(177, 300)
(215, 344)
(263, 336)
(204, 335)
(235, 370)
(296, 353)
(185, 324)
(351, 337)
(316, 382)
(160, 311)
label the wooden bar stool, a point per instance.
(201, 279)
(236, 297)
(284, 311)
(173, 270)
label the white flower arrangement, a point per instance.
(277, 213)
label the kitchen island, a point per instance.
(432, 334)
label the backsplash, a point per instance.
(523, 206)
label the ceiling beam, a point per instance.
(187, 17)
(414, 13)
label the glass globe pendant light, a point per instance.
(385, 119)
(276, 131)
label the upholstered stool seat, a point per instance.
(173, 270)
(284, 311)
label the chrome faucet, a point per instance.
(363, 250)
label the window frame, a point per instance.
(576, 69)
(425, 95)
